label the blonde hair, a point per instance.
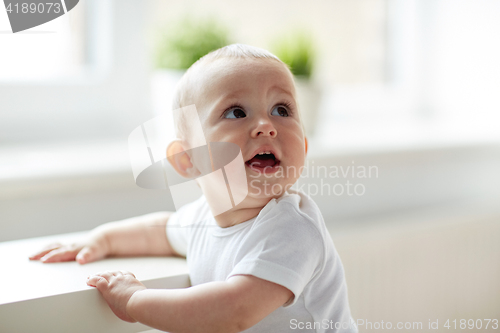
(230, 51)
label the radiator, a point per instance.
(423, 268)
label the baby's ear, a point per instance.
(180, 160)
(305, 143)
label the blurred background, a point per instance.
(409, 88)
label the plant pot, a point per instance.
(308, 98)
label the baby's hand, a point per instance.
(91, 249)
(116, 288)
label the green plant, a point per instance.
(297, 51)
(187, 41)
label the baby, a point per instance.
(267, 264)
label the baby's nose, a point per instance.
(264, 128)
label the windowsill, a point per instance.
(400, 135)
(54, 297)
(55, 168)
(86, 76)
(52, 168)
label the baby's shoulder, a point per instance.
(296, 212)
(299, 206)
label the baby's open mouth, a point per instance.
(263, 160)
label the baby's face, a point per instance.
(252, 103)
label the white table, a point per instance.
(38, 297)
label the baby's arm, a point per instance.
(142, 235)
(138, 236)
(224, 306)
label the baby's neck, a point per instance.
(246, 210)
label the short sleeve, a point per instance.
(177, 234)
(180, 224)
(285, 247)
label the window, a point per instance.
(101, 92)
(53, 50)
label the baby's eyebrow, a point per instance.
(233, 94)
(281, 90)
(227, 99)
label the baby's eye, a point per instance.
(279, 110)
(235, 113)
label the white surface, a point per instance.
(55, 298)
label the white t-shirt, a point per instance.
(287, 243)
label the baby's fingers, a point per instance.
(100, 280)
(128, 273)
(62, 254)
(45, 250)
(97, 281)
(89, 254)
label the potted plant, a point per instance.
(298, 52)
(177, 47)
